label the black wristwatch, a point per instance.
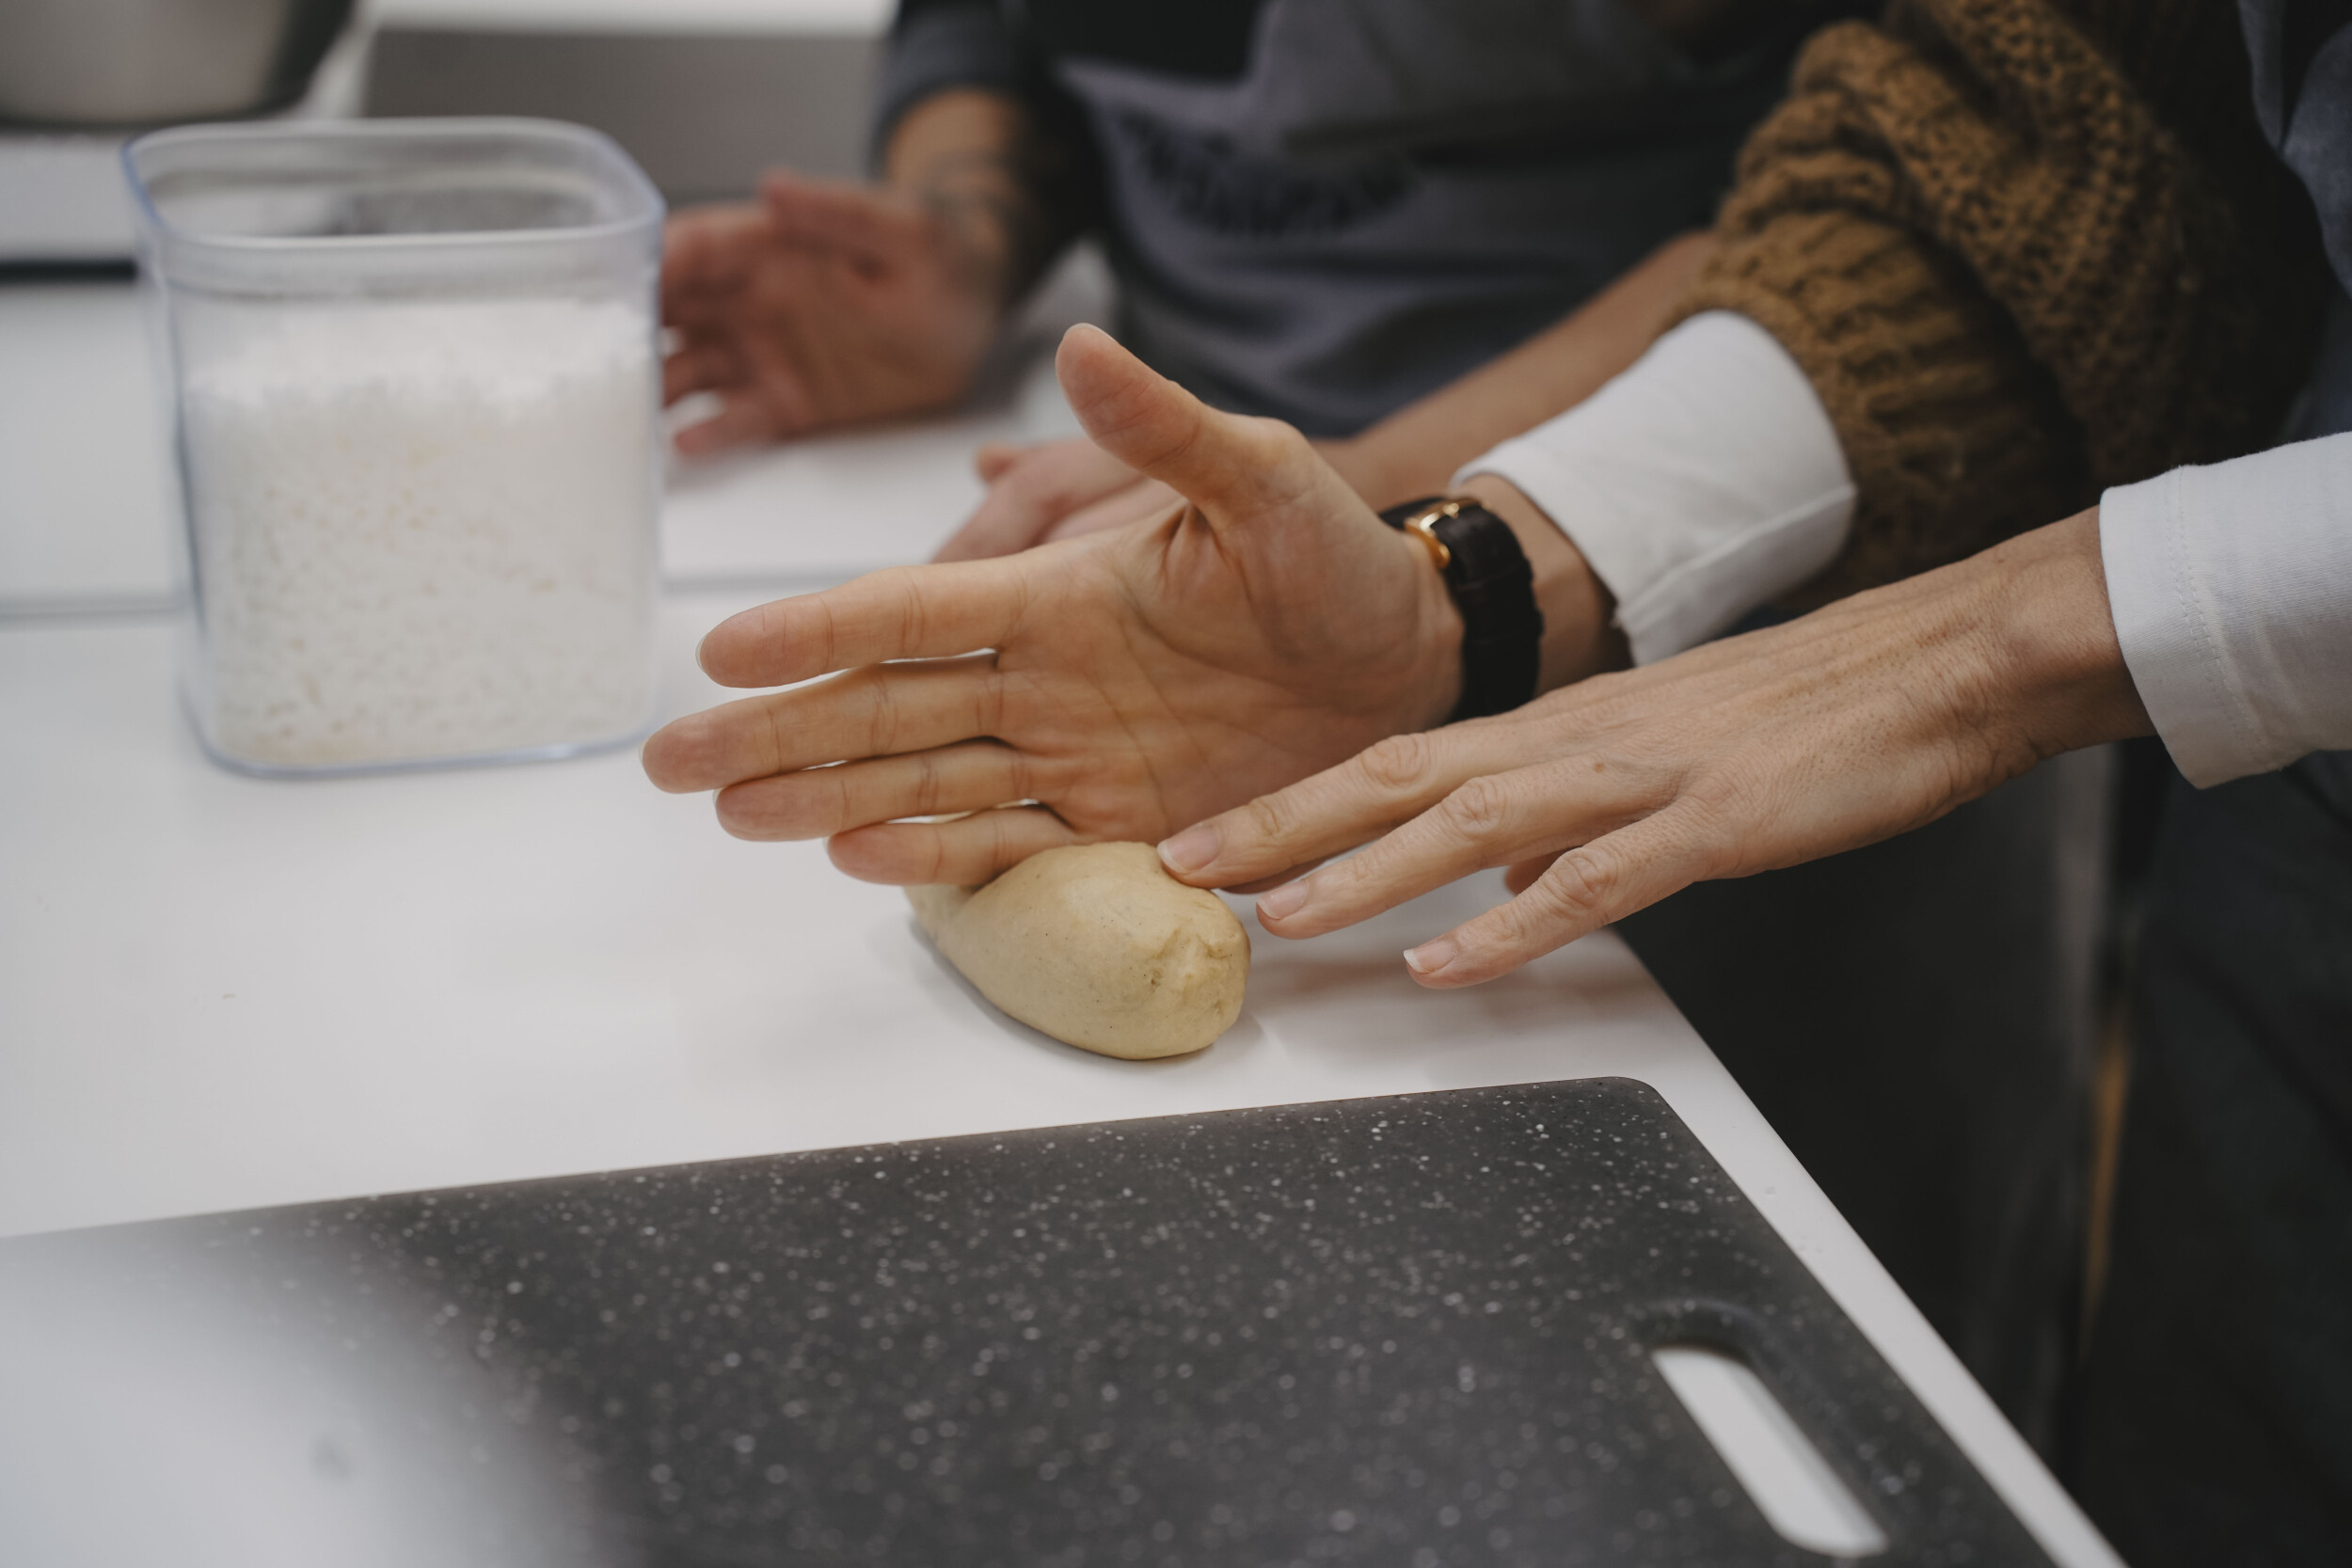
(1494, 588)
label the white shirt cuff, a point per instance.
(1701, 483)
(2232, 591)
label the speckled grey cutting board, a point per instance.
(1407, 1331)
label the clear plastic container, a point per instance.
(415, 391)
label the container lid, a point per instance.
(367, 204)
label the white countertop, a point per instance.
(217, 991)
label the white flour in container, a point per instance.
(423, 531)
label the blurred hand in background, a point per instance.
(825, 304)
(821, 305)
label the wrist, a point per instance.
(2057, 668)
(1581, 638)
(1358, 462)
(1435, 688)
(972, 158)
(978, 228)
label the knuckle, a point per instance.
(828, 636)
(1576, 888)
(1398, 764)
(1271, 819)
(1479, 809)
(1023, 780)
(930, 785)
(775, 737)
(992, 715)
(881, 720)
(938, 865)
(911, 613)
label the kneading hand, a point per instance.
(1856, 723)
(1124, 684)
(822, 305)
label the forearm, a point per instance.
(1415, 450)
(974, 156)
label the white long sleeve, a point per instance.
(1699, 484)
(2231, 591)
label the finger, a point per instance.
(963, 852)
(739, 421)
(840, 216)
(1494, 819)
(1586, 888)
(873, 712)
(1265, 884)
(1001, 524)
(791, 408)
(1521, 876)
(1141, 502)
(898, 612)
(819, 802)
(1388, 783)
(704, 313)
(707, 246)
(1029, 496)
(698, 368)
(1498, 818)
(1222, 460)
(994, 457)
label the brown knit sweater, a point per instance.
(2025, 249)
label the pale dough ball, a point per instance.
(1097, 945)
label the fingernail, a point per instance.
(1190, 850)
(1430, 956)
(1282, 902)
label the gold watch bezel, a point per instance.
(1423, 525)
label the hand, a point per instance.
(1139, 678)
(824, 304)
(1051, 490)
(1859, 722)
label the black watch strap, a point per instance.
(1494, 588)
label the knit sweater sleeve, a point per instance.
(2023, 249)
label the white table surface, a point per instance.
(217, 991)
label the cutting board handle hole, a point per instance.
(1796, 1490)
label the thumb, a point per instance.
(1217, 461)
